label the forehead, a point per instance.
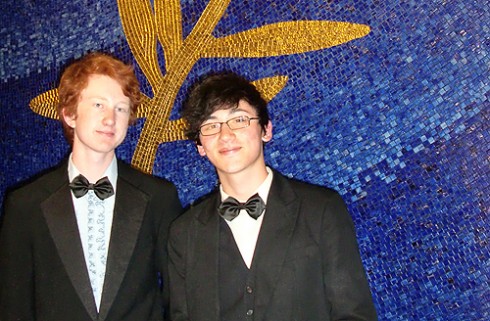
(103, 86)
(227, 111)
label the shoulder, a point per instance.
(41, 185)
(316, 203)
(24, 202)
(320, 208)
(304, 190)
(200, 211)
(146, 182)
(159, 195)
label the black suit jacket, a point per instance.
(43, 275)
(307, 261)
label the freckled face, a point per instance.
(239, 150)
(102, 116)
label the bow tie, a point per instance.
(230, 207)
(102, 188)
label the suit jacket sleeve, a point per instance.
(345, 281)
(170, 211)
(16, 282)
(177, 263)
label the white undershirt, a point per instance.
(244, 228)
(81, 208)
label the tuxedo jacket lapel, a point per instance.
(129, 210)
(274, 241)
(60, 218)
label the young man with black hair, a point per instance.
(262, 247)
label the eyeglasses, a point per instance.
(233, 123)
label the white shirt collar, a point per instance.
(110, 172)
(262, 190)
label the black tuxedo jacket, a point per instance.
(307, 261)
(43, 275)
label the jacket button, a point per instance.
(249, 289)
(250, 312)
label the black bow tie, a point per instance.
(102, 188)
(230, 207)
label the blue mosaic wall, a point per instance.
(397, 121)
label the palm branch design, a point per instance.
(145, 26)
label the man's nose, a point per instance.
(109, 116)
(226, 132)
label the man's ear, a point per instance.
(69, 119)
(267, 134)
(201, 151)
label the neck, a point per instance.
(242, 185)
(92, 166)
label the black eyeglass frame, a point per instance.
(245, 117)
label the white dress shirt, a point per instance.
(81, 212)
(244, 228)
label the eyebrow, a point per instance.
(128, 102)
(232, 111)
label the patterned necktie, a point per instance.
(97, 250)
(231, 207)
(102, 188)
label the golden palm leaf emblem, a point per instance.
(145, 26)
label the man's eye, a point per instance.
(122, 110)
(240, 120)
(212, 126)
(98, 105)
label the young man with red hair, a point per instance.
(86, 241)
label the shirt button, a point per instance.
(250, 312)
(249, 289)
